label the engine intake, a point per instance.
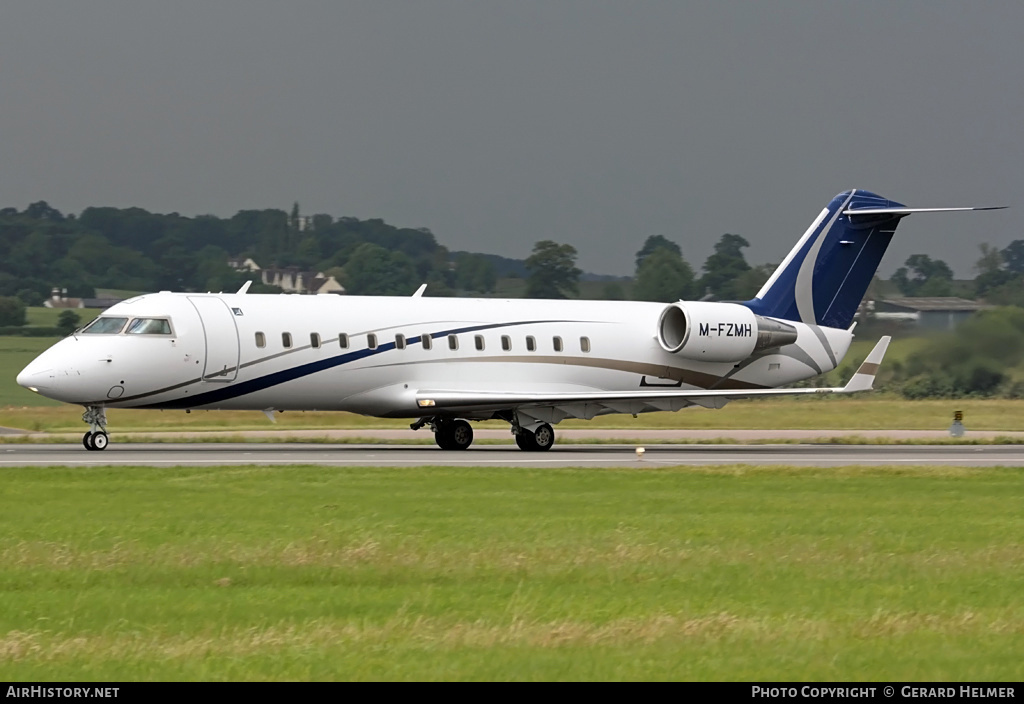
(719, 332)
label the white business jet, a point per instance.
(446, 361)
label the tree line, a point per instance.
(133, 249)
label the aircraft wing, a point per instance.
(862, 380)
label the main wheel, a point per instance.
(87, 441)
(461, 435)
(100, 441)
(454, 435)
(544, 437)
(441, 437)
(539, 440)
(525, 441)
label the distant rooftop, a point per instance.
(935, 303)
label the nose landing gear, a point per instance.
(96, 438)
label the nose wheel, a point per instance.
(96, 439)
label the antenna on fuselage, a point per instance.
(245, 286)
(419, 291)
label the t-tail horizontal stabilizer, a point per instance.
(864, 377)
(863, 212)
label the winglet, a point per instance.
(245, 287)
(863, 379)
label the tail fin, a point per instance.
(825, 277)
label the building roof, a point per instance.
(935, 303)
(100, 302)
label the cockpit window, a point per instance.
(105, 326)
(149, 326)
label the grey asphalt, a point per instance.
(200, 454)
(648, 435)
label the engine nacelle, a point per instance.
(719, 332)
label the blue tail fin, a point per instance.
(825, 277)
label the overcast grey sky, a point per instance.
(496, 124)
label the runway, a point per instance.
(342, 455)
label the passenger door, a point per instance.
(222, 349)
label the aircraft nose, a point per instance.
(35, 378)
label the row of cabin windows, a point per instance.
(401, 342)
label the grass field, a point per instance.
(47, 317)
(741, 573)
(15, 354)
(865, 412)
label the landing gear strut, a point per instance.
(96, 438)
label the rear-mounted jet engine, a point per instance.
(719, 332)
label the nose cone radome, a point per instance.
(37, 377)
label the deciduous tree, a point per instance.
(553, 272)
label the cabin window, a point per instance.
(584, 344)
(105, 326)
(506, 343)
(399, 341)
(556, 342)
(453, 342)
(531, 344)
(371, 341)
(261, 340)
(286, 339)
(343, 340)
(314, 340)
(478, 340)
(428, 341)
(149, 326)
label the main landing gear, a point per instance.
(449, 433)
(453, 434)
(457, 434)
(96, 438)
(539, 440)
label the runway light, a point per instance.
(640, 453)
(426, 402)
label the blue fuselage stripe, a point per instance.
(234, 390)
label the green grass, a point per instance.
(15, 354)
(47, 317)
(855, 413)
(725, 573)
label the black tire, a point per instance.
(87, 441)
(454, 435)
(100, 441)
(539, 440)
(462, 435)
(525, 441)
(442, 437)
